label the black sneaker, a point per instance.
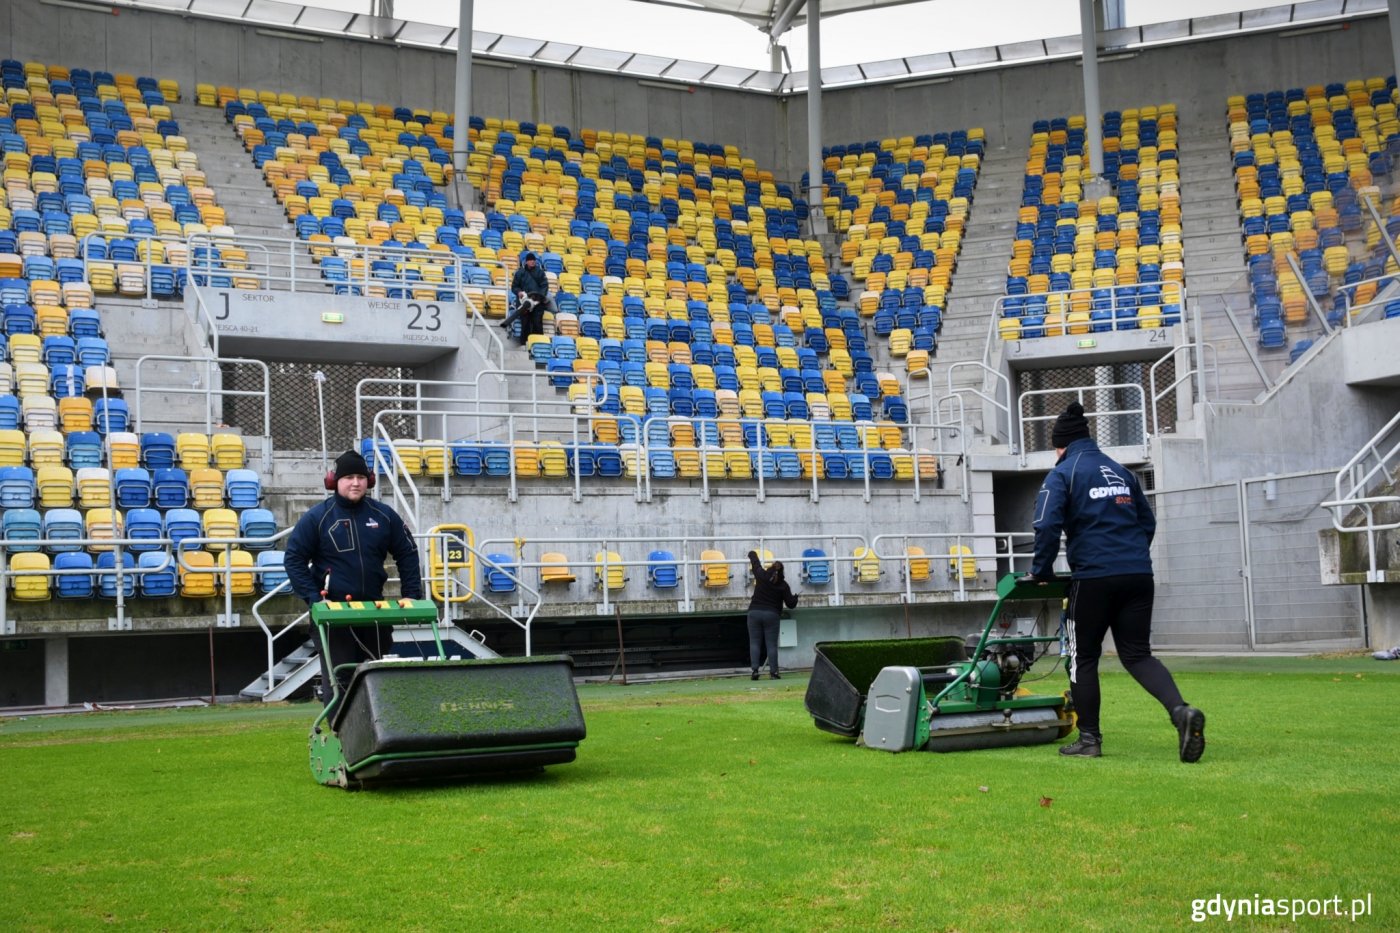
(775, 676)
(753, 676)
(1191, 727)
(1086, 746)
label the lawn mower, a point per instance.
(438, 718)
(944, 694)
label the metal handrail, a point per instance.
(120, 546)
(954, 555)
(1181, 377)
(209, 392)
(998, 378)
(683, 560)
(1140, 411)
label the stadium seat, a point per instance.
(715, 571)
(107, 581)
(156, 574)
(554, 568)
(500, 572)
(76, 582)
(197, 575)
(865, 566)
(609, 572)
(662, 570)
(271, 572)
(30, 579)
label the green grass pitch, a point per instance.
(716, 805)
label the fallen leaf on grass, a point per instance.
(984, 789)
(1046, 801)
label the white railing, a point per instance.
(956, 548)
(208, 392)
(1195, 366)
(1060, 302)
(174, 561)
(1367, 483)
(1099, 426)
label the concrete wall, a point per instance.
(1314, 421)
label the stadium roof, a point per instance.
(296, 17)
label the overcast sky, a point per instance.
(894, 32)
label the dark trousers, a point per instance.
(534, 322)
(763, 635)
(1121, 605)
(352, 644)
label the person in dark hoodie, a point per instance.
(337, 551)
(1108, 526)
(530, 279)
(770, 594)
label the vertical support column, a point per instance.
(1093, 112)
(56, 670)
(462, 96)
(1394, 9)
(815, 189)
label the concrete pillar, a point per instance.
(56, 670)
(1093, 112)
(815, 189)
(462, 97)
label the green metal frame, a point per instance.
(328, 765)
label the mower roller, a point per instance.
(438, 718)
(942, 694)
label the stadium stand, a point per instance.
(1306, 161)
(1081, 265)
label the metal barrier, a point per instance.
(687, 558)
(1195, 368)
(1367, 482)
(1228, 575)
(175, 558)
(961, 547)
(208, 392)
(1138, 414)
(1060, 302)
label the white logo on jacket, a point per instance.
(1114, 485)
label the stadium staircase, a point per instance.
(981, 277)
(249, 204)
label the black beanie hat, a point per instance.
(350, 463)
(1070, 426)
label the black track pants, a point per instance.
(1123, 606)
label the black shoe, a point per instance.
(753, 676)
(1086, 746)
(1191, 727)
(775, 676)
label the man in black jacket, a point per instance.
(336, 552)
(530, 280)
(1108, 524)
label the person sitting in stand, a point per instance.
(530, 281)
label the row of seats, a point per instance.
(154, 574)
(53, 485)
(147, 528)
(501, 572)
(666, 448)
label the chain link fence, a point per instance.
(1068, 384)
(1237, 566)
(296, 417)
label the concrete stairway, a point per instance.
(981, 274)
(247, 200)
(1213, 250)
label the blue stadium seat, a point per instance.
(157, 578)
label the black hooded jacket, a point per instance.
(530, 282)
(770, 592)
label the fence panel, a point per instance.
(1290, 604)
(1198, 563)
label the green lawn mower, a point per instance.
(945, 694)
(439, 718)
